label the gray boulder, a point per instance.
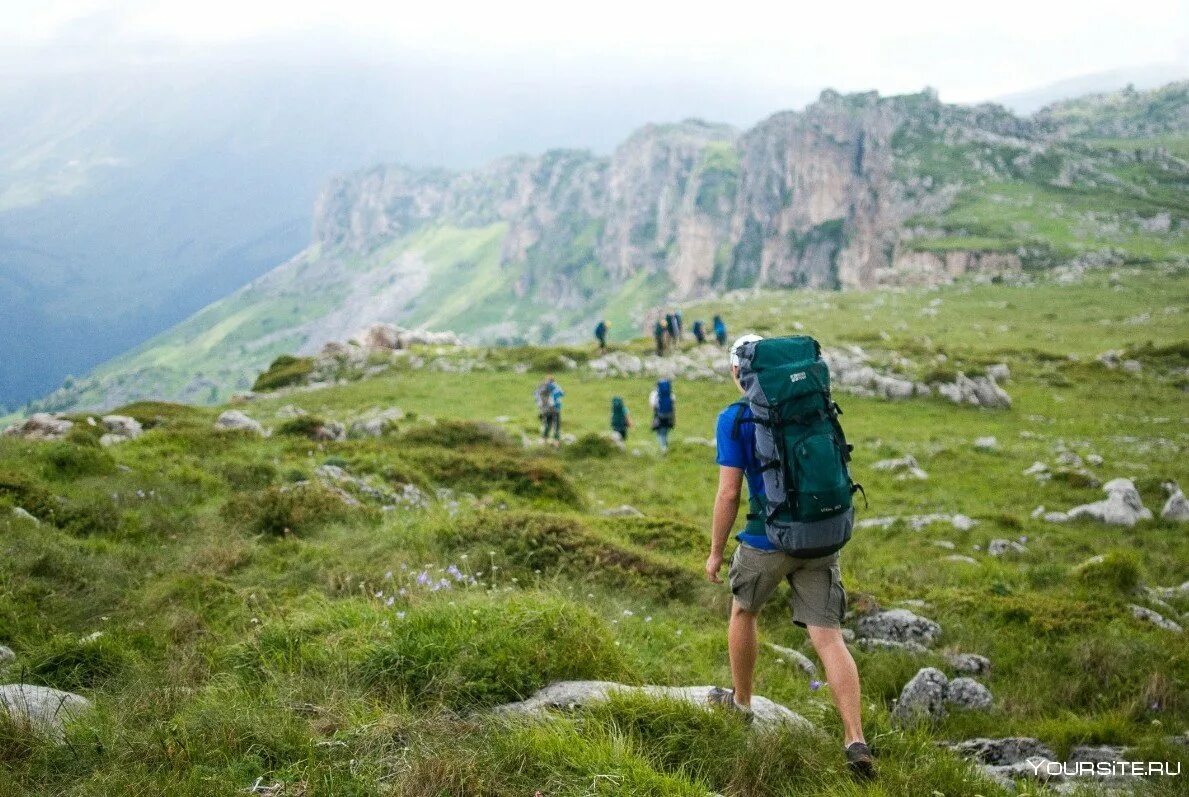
(40, 426)
(898, 625)
(1121, 507)
(969, 663)
(6, 655)
(236, 421)
(922, 699)
(1000, 752)
(796, 657)
(1158, 620)
(568, 695)
(24, 514)
(40, 709)
(869, 644)
(1177, 506)
(122, 426)
(1001, 547)
(968, 694)
(905, 467)
(1097, 753)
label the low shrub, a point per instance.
(152, 414)
(247, 475)
(72, 461)
(1116, 570)
(592, 446)
(287, 509)
(28, 494)
(90, 516)
(284, 371)
(532, 478)
(71, 663)
(301, 426)
(459, 434)
(484, 650)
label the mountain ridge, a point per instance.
(854, 191)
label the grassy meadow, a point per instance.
(255, 630)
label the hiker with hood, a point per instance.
(658, 334)
(664, 412)
(548, 397)
(720, 330)
(600, 332)
(671, 326)
(699, 330)
(799, 515)
(621, 419)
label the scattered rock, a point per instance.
(999, 372)
(964, 559)
(796, 657)
(376, 425)
(898, 625)
(699, 441)
(1176, 507)
(119, 429)
(1122, 506)
(946, 544)
(391, 337)
(981, 391)
(41, 709)
(1000, 547)
(1097, 753)
(988, 443)
(1037, 469)
(568, 695)
(1001, 752)
(24, 514)
(868, 643)
(6, 655)
(969, 663)
(906, 466)
(234, 420)
(623, 510)
(968, 694)
(1132, 366)
(1158, 620)
(1094, 459)
(922, 699)
(963, 523)
(926, 696)
(40, 426)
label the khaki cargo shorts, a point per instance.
(818, 597)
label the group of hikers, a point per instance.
(548, 397)
(668, 330)
(784, 440)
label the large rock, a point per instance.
(969, 663)
(120, 428)
(905, 467)
(40, 709)
(796, 657)
(898, 625)
(1177, 506)
(236, 421)
(927, 695)
(40, 426)
(568, 695)
(1121, 507)
(981, 391)
(1000, 752)
(6, 655)
(1155, 618)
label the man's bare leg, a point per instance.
(841, 674)
(741, 644)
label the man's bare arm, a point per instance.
(726, 509)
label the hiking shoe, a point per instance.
(725, 698)
(859, 761)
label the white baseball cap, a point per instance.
(740, 341)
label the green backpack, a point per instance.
(619, 414)
(808, 508)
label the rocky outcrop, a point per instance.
(119, 429)
(1177, 506)
(40, 709)
(236, 421)
(40, 426)
(929, 694)
(1122, 506)
(569, 695)
(898, 625)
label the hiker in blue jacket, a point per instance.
(664, 412)
(699, 330)
(720, 330)
(548, 396)
(658, 335)
(600, 332)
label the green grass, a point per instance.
(255, 625)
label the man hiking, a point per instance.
(720, 331)
(658, 334)
(621, 419)
(664, 412)
(699, 330)
(671, 326)
(548, 397)
(600, 332)
(680, 323)
(818, 600)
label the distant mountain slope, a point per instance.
(853, 191)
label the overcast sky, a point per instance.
(970, 51)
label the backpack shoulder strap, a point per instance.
(740, 412)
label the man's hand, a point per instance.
(713, 565)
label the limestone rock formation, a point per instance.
(40, 426)
(1177, 506)
(1121, 507)
(898, 625)
(234, 420)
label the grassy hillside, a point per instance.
(259, 630)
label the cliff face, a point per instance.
(814, 198)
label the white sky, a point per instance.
(970, 51)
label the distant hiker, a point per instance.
(658, 334)
(720, 331)
(621, 419)
(678, 321)
(699, 332)
(664, 412)
(600, 331)
(671, 326)
(797, 539)
(549, 396)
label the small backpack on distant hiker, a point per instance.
(619, 417)
(665, 414)
(808, 507)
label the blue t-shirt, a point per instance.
(741, 453)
